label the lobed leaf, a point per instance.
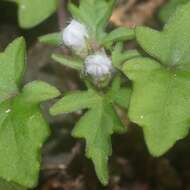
(96, 126)
(171, 46)
(23, 129)
(159, 103)
(160, 100)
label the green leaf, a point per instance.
(75, 101)
(69, 62)
(171, 46)
(160, 101)
(119, 34)
(87, 14)
(22, 126)
(4, 185)
(119, 57)
(119, 95)
(122, 97)
(33, 12)
(12, 66)
(96, 126)
(24, 130)
(52, 39)
(38, 91)
(167, 10)
(156, 43)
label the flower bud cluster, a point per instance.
(97, 65)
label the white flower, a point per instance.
(98, 65)
(75, 35)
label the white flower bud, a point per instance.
(98, 65)
(74, 35)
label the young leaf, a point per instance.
(72, 63)
(160, 100)
(119, 34)
(22, 126)
(96, 126)
(75, 101)
(122, 97)
(119, 57)
(52, 39)
(119, 95)
(33, 12)
(87, 13)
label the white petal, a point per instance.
(74, 35)
(98, 65)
